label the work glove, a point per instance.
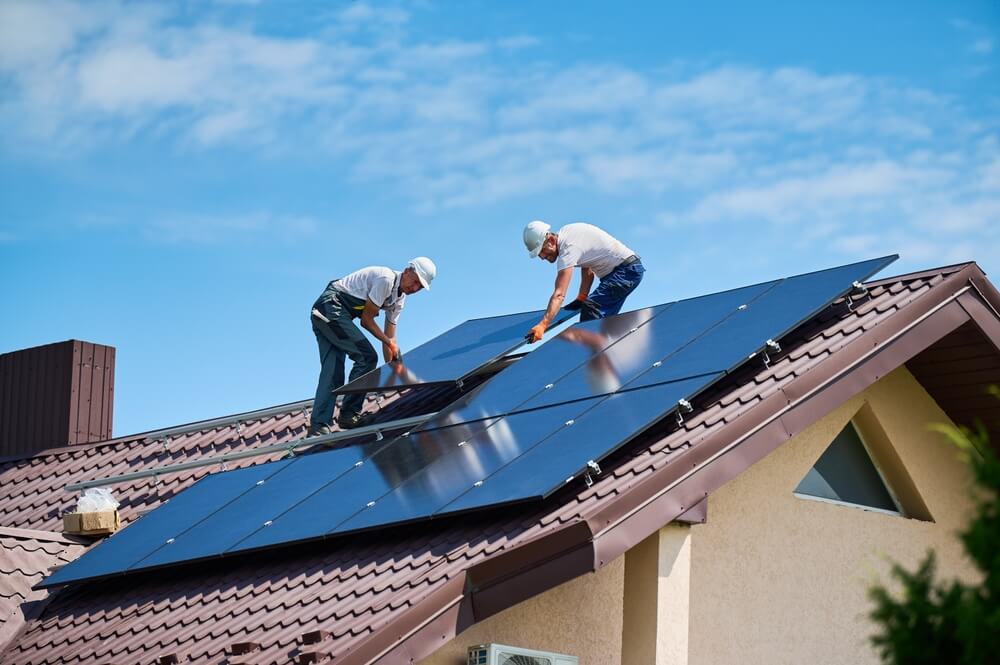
(576, 304)
(536, 333)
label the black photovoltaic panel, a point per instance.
(138, 540)
(665, 330)
(455, 354)
(507, 441)
(561, 439)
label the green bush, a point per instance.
(950, 622)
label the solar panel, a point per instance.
(455, 354)
(594, 434)
(518, 383)
(770, 316)
(671, 329)
(258, 505)
(121, 551)
(518, 437)
(557, 446)
(335, 500)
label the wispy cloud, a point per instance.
(453, 123)
(982, 46)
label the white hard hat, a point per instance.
(534, 236)
(425, 269)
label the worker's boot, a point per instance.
(353, 420)
(319, 430)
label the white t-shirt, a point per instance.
(587, 246)
(378, 284)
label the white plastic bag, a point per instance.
(96, 499)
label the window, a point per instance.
(846, 474)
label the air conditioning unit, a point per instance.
(499, 654)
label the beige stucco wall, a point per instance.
(778, 579)
(582, 617)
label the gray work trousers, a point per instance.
(338, 340)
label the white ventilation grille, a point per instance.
(518, 659)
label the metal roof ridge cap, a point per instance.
(606, 513)
(946, 271)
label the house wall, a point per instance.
(778, 579)
(582, 617)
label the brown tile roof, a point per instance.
(26, 556)
(397, 594)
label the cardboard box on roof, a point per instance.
(99, 523)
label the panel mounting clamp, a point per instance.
(858, 290)
(592, 468)
(683, 406)
(769, 346)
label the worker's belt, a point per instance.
(627, 262)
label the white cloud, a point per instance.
(854, 161)
(982, 46)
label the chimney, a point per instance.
(55, 395)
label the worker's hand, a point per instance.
(536, 333)
(390, 351)
(578, 303)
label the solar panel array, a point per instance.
(520, 436)
(453, 355)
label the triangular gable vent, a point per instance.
(845, 473)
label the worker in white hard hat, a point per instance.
(596, 253)
(361, 294)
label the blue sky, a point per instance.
(180, 180)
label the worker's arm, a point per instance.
(563, 278)
(586, 279)
(368, 323)
(390, 332)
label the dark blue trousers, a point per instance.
(609, 296)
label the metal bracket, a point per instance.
(594, 466)
(460, 383)
(858, 290)
(378, 435)
(683, 406)
(769, 345)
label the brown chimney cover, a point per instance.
(55, 395)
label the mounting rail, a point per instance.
(377, 429)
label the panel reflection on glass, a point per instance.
(791, 302)
(595, 433)
(469, 459)
(581, 343)
(606, 371)
(454, 354)
(333, 502)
